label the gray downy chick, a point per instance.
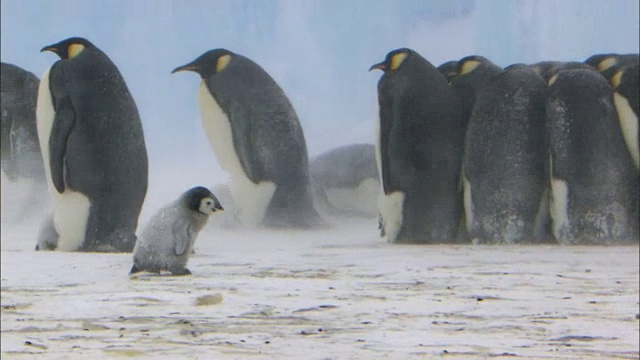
(168, 238)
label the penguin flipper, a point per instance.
(62, 126)
(182, 234)
(249, 159)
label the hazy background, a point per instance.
(318, 51)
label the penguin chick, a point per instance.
(168, 238)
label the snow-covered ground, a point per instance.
(334, 293)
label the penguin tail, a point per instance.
(134, 270)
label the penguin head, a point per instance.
(602, 62)
(617, 74)
(393, 61)
(469, 64)
(449, 69)
(473, 70)
(69, 48)
(208, 64)
(202, 200)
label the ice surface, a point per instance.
(334, 293)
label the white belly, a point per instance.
(251, 200)
(468, 203)
(391, 210)
(629, 126)
(558, 207)
(70, 215)
(70, 210)
(44, 121)
(389, 205)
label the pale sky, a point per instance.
(318, 51)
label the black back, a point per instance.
(267, 137)
(421, 145)
(98, 140)
(505, 152)
(589, 154)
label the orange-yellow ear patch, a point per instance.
(74, 50)
(397, 60)
(616, 78)
(469, 66)
(222, 62)
(607, 63)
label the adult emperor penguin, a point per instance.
(471, 72)
(419, 151)
(93, 149)
(605, 63)
(505, 152)
(594, 186)
(547, 69)
(167, 240)
(625, 82)
(256, 136)
(346, 181)
(448, 69)
(21, 157)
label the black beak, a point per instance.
(51, 48)
(379, 66)
(187, 67)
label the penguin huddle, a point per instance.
(467, 151)
(549, 150)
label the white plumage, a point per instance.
(70, 210)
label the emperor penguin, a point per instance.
(547, 69)
(625, 82)
(168, 238)
(594, 186)
(470, 73)
(21, 156)
(605, 63)
(256, 137)
(419, 147)
(93, 149)
(505, 151)
(448, 69)
(346, 181)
